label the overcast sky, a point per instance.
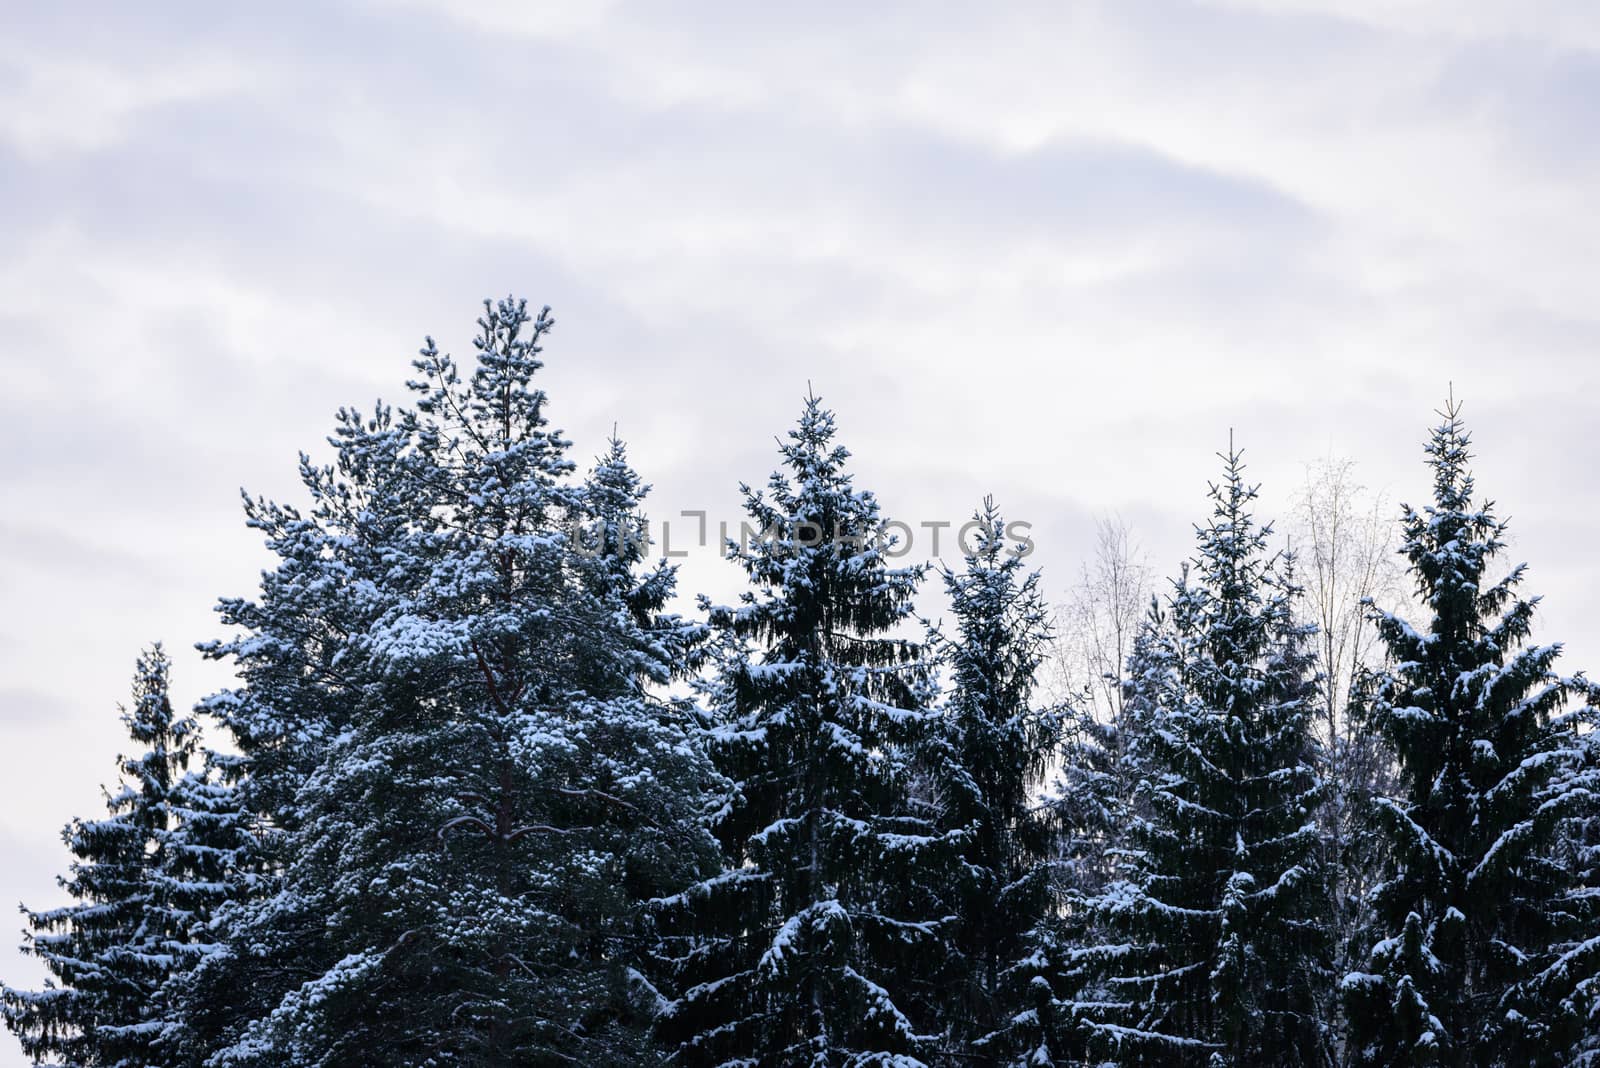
(1052, 253)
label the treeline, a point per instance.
(486, 801)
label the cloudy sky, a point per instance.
(1052, 253)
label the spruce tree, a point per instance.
(1570, 984)
(127, 929)
(493, 785)
(819, 939)
(1094, 801)
(1476, 907)
(1216, 949)
(993, 750)
(210, 863)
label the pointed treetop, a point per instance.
(150, 718)
(1449, 453)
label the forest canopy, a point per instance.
(480, 795)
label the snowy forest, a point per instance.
(481, 794)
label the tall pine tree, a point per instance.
(1217, 951)
(481, 786)
(135, 903)
(1476, 902)
(299, 696)
(815, 944)
(993, 752)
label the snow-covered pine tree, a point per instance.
(818, 939)
(297, 692)
(645, 738)
(1093, 802)
(290, 647)
(123, 935)
(209, 861)
(991, 754)
(1571, 984)
(1475, 907)
(1218, 950)
(482, 788)
(300, 690)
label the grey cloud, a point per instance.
(1539, 98)
(19, 706)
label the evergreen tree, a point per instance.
(1094, 801)
(993, 752)
(481, 786)
(301, 691)
(210, 861)
(819, 939)
(1217, 949)
(127, 928)
(1476, 906)
(1570, 985)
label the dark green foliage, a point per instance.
(820, 938)
(1215, 947)
(990, 759)
(488, 802)
(1476, 905)
(478, 788)
(143, 882)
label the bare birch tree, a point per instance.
(1345, 548)
(1098, 621)
(1095, 630)
(1344, 545)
